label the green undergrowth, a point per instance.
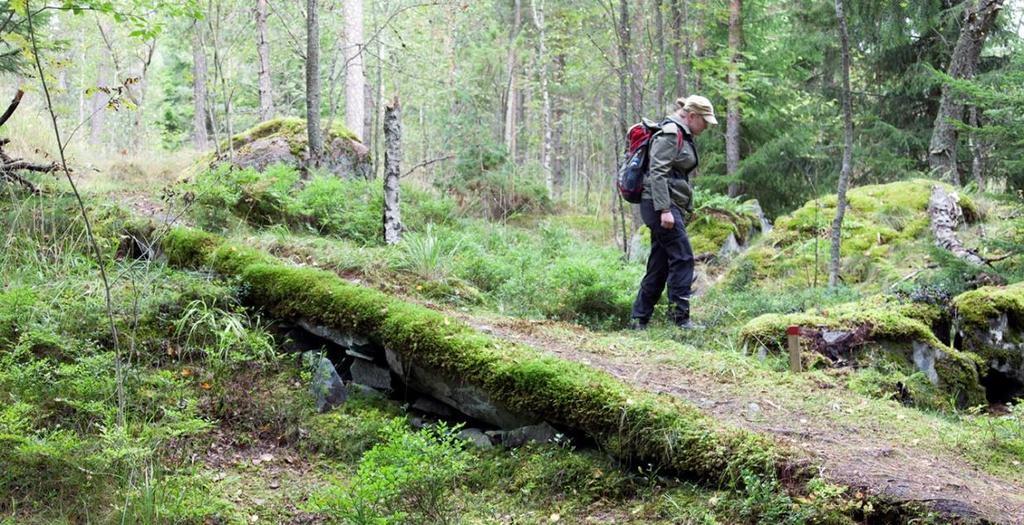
(541, 273)
(226, 196)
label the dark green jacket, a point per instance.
(667, 182)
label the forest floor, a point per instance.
(876, 447)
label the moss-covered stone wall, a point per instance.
(630, 423)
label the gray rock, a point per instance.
(372, 375)
(832, 337)
(464, 397)
(766, 225)
(326, 386)
(435, 407)
(730, 247)
(924, 360)
(335, 336)
(356, 390)
(476, 437)
(515, 438)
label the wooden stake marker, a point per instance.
(793, 334)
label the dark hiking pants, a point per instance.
(670, 262)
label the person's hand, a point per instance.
(667, 220)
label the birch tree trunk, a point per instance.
(512, 91)
(200, 138)
(355, 77)
(392, 172)
(315, 135)
(732, 119)
(979, 16)
(263, 51)
(659, 36)
(542, 57)
(844, 174)
(679, 44)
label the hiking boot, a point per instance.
(638, 324)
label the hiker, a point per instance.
(665, 204)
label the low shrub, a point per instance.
(408, 478)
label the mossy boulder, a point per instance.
(991, 322)
(284, 141)
(885, 237)
(878, 327)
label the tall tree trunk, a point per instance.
(315, 135)
(977, 151)
(557, 140)
(979, 16)
(659, 37)
(679, 45)
(200, 138)
(623, 69)
(627, 92)
(355, 77)
(512, 90)
(542, 57)
(137, 91)
(699, 45)
(732, 120)
(844, 174)
(263, 51)
(392, 172)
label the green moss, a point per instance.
(188, 248)
(16, 305)
(977, 308)
(890, 322)
(880, 222)
(630, 423)
(293, 130)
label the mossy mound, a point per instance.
(977, 308)
(885, 236)
(882, 328)
(285, 141)
(626, 422)
(709, 232)
(990, 321)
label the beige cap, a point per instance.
(701, 106)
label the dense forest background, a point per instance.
(532, 98)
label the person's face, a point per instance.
(696, 123)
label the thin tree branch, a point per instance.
(426, 163)
(88, 226)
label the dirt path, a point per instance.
(862, 455)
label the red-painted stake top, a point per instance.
(793, 330)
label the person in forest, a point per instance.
(666, 203)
